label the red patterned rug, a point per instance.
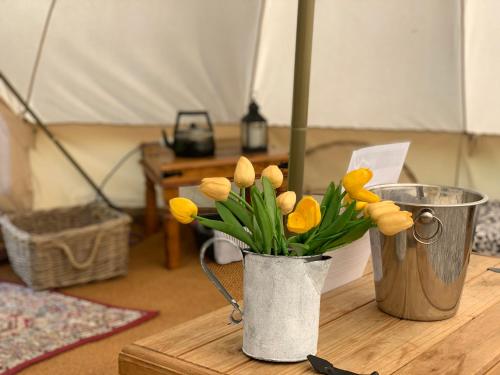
(38, 325)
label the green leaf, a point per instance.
(258, 239)
(322, 239)
(327, 198)
(284, 246)
(233, 230)
(280, 232)
(333, 208)
(317, 243)
(299, 248)
(340, 222)
(263, 219)
(352, 235)
(240, 212)
(226, 214)
(269, 199)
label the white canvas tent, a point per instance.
(401, 65)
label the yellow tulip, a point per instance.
(183, 209)
(356, 179)
(296, 223)
(371, 206)
(394, 222)
(286, 201)
(383, 210)
(274, 174)
(217, 188)
(353, 183)
(377, 212)
(359, 204)
(364, 196)
(244, 174)
(306, 216)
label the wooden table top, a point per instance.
(162, 161)
(354, 335)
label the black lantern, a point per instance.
(253, 130)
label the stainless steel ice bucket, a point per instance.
(419, 273)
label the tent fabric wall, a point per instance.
(394, 64)
(21, 26)
(482, 46)
(432, 157)
(126, 61)
(16, 139)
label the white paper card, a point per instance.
(349, 262)
(385, 161)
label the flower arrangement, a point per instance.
(343, 216)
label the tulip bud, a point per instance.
(244, 174)
(371, 206)
(274, 174)
(364, 196)
(394, 222)
(183, 209)
(217, 188)
(377, 212)
(286, 202)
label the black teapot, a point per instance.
(193, 140)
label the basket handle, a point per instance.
(69, 254)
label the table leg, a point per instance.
(151, 211)
(172, 232)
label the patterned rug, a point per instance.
(38, 325)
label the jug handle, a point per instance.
(236, 315)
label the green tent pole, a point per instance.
(302, 70)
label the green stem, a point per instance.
(312, 235)
(282, 235)
(240, 199)
(242, 193)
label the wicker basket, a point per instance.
(67, 246)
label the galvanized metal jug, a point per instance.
(419, 273)
(282, 299)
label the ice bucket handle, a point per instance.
(427, 216)
(236, 315)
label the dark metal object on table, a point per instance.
(61, 148)
(254, 130)
(193, 141)
(322, 366)
(494, 269)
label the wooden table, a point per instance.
(162, 168)
(354, 335)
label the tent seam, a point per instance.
(39, 52)
(258, 39)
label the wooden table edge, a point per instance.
(134, 358)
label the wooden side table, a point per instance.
(162, 168)
(354, 335)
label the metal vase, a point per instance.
(282, 300)
(419, 273)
